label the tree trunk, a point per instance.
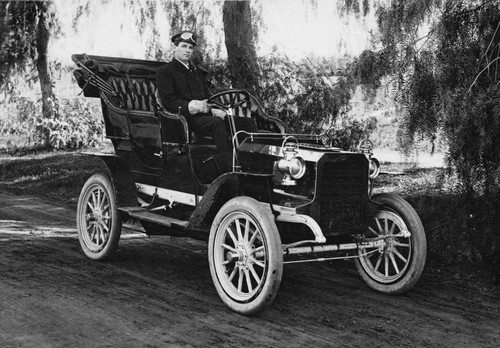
(42, 62)
(242, 57)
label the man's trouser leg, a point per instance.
(215, 128)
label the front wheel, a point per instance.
(245, 256)
(396, 265)
(98, 221)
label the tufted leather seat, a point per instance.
(135, 93)
(139, 94)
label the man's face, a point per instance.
(183, 51)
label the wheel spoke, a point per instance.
(249, 281)
(238, 229)
(386, 226)
(257, 262)
(101, 233)
(98, 198)
(95, 237)
(104, 236)
(240, 279)
(231, 234)
(398, 254)
(254, 274)
(105, 207)
(373, 231)
(104, 226)
(259, 237)
(394, 264)
(403, 245)
(94, 202)
(104, 202)
(252, 239)
(256, 250)
(386, 265)
(379, 261)
(379, 226)
(393, 226)
(225, 246)
(247, 231)
(233, 273)
(92, 232)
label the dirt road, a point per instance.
(157, 292)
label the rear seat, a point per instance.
(136, 93)
(139, 93)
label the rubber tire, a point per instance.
(270, 285)
(103, 182)
(401, 207)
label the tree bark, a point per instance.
(242, 57)
(42, 62)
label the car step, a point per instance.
(143, 214)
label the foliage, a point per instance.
(311, 96)
(150, 16)
(348, 132)
(26, 28)
(17, 36)
(444, 56)
(73, 124)
(307, 96)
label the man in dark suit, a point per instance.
(182, 87)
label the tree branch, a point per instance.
(478, 75)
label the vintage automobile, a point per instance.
(289, 197)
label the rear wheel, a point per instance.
(98, 221)
(397, 264)
(245, 256)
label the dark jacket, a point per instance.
(177, 86)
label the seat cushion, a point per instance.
(135, 93)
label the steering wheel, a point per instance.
(230, 99)
(328, 137)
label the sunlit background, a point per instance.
(297, 28)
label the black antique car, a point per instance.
(289, 197)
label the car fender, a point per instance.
(224, 188)
(122, 178)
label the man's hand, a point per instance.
(218, 112)
(198, 106)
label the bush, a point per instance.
(73, 124)
(310, 97)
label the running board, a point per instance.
(143, 214)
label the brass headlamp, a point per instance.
(366, 147)
(291, 166)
